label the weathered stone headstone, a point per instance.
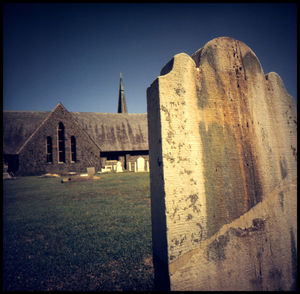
(140, 164)
(119, 168)
(91, 171)
(223, 153)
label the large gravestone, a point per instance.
(223, 153)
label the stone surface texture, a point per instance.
(32, 155)
(223, 170)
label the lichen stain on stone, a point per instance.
(210, 55)
(182, 240)
(172, 257)
(188, 172)
(180, 159)
(174, 213)
(254, 189)
(281, 200)
(170, 134)
(193, 181)
(202, 93)
(257, 283)
(175, 245)
(224, 189)
(180, 90)
(259, 277)
(200, 232)
(199, 235)
(169, 157)
(275, 275)
(166, 111)
(258, 225)
(251, 63)
(294, 152)
(216, 250)
(283, 168)
(193, 198)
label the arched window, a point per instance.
(61, 142)
(49, 149)
(73, 149)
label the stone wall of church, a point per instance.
(33, 155)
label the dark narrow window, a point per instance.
(49, 149)
(73, 149)
(61, 142)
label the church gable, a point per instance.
(58, 145)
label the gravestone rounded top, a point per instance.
(221, 54)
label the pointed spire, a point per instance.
(122, 108)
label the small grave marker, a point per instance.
(91, 171)
(119, 167)
(140, 164)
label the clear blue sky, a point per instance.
(74, 53)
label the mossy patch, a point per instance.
(251, 63)
(202, 93)
(223, 181)
(209, 56)
(283, 168)
(216, 250)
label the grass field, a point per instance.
(85, 236)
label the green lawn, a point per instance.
(85, 236)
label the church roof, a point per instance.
(18, 126)
(115, 131)
(110, 131)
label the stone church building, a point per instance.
(59, 141)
